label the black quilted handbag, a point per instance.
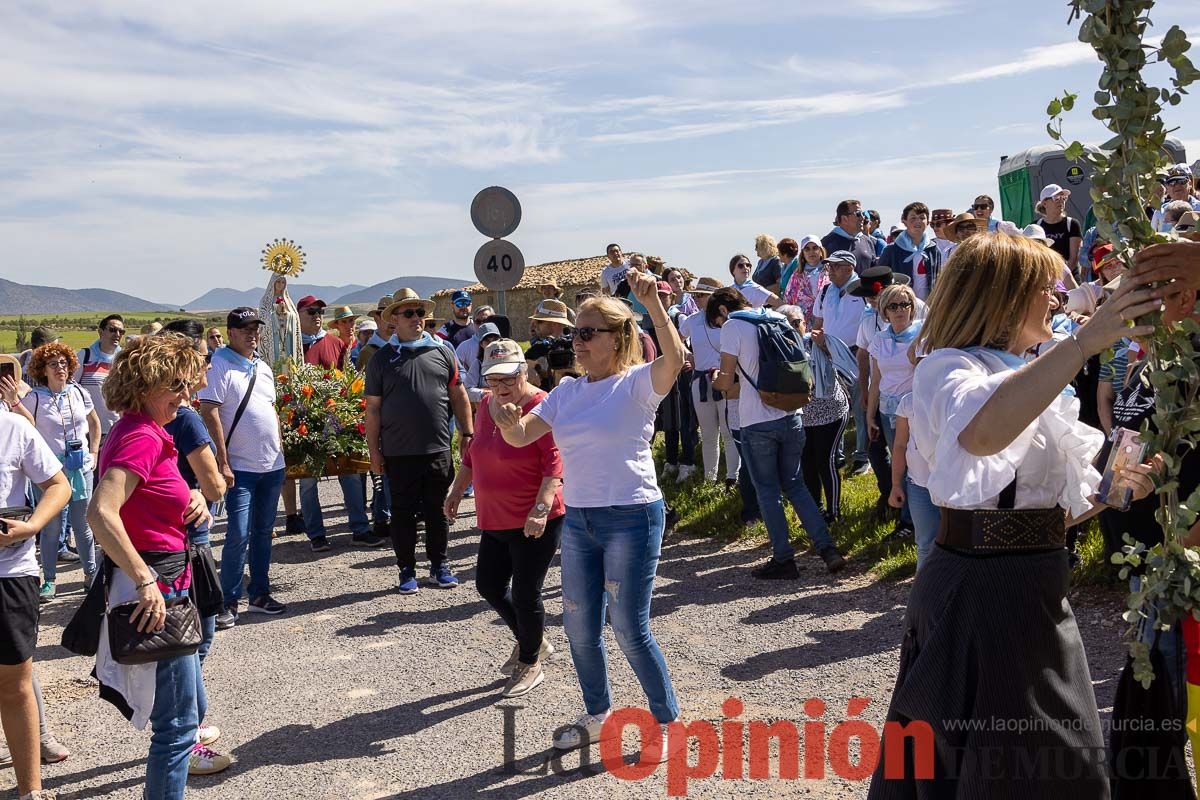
(180, 635)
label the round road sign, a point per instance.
(495, 212)
(499, 265)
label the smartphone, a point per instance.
(13, 512)
(1127, 449)
(8, 370)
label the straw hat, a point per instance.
(981, 225)
(342, 312)
(407, 297)
(551, 311)
(706, 286)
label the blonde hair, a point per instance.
(897, 291)
(982, 294)
(767, 241)
(149, 365)
(619, 317)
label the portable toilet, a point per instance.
(1023, 175)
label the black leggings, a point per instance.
(506, 556)
(820, 465)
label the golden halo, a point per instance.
(284, 257)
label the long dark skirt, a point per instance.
(992, 662)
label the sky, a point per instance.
(155, 148)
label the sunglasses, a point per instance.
(314, 312)
(180, 386)
(589, 333)
(967, 227)
(505, 382)
(409, 313)
(797, 324)
(117, 331)
(978, 206)
(897, 306)
(462, 303)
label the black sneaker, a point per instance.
(383, 530)
(320, 544)
(420, 524)
(777, 570)
(294, 524)
(672, 518)
(900, 533)
(366, 540)
(265, 604)
(860, 468)
(834, 561)
(227, 618)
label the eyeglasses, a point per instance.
(409, 313)
(505, 382)
(897, 306)
(61, 363)
(588, 333)
(967, 227)
(314, 312)
(798, 324)
(117, 331)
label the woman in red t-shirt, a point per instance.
(139, 513)
(519, 510)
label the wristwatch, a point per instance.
(541, 509)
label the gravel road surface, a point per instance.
(360, 693)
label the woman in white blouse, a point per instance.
(710, 405)
(989, 633)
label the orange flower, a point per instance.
(357, 385)
(282, 378)
(330, 403)
(307, 391)
(291, 416)
(302, 430)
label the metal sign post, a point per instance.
(499, 264)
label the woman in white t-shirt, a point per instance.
(756, 296)
(64, 415)
(603, 424)
(710, 405)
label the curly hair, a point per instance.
(149, 365)
(48, 352)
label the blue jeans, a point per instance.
(611, 554)
(750, 510)
(862, 439)
(354, 495)
(173, 721)
(50, 537)
(926, 517)
(772, 450)
(887, 424)
(251, 506)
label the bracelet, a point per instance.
(666, 324)
(1079, 346)
(143, 585)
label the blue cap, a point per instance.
(487, 329)
(840, 256)
(459, 296)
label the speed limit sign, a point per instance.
(499, 265)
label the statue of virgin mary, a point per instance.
(280, 341)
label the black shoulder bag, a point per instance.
(241, 409)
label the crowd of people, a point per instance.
(980, 366)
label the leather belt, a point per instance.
(999, 531)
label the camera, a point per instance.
(561, 354)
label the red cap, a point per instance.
(309, 300)
(665, 288)
(1102, 252)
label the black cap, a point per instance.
(243, 316)
(873, 281)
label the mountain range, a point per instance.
(223, 299)
(19, 298)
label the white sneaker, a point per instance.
(208, 734)
(587, 725)
(39, 794)
(670, 746)
(685, 472)
(544, 652)
(525, 678)
(203, 761)
(670, 471)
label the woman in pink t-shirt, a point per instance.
(519, 508)
(139, 513)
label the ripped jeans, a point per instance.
(609, 557)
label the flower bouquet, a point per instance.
(322, 416)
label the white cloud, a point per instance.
(1037, 58)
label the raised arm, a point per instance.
(666, 367)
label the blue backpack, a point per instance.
(784, 372)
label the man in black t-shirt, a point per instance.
(412, 385)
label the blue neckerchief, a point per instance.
(310, 340)
(903, 337)
(354, 351)
(237, 359)
(99, 355)
(749, 314)
(847, 234)
(748, 282)
(425, 341)
(833, 296)
(1009, 359)
(905, 242)
(377, 340)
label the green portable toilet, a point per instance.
(1023, 175)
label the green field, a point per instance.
(79, 329)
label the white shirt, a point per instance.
(918, 467)
(895, 370)
(755, 295)
(255, 445)
(920, 285)
(840, 314)
(740, 338)
(59, 417)
(871, 323)
(603, 431)
(24, 457)
(1051, 459)
(471, 369)
(611, 275)
(705, 342)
